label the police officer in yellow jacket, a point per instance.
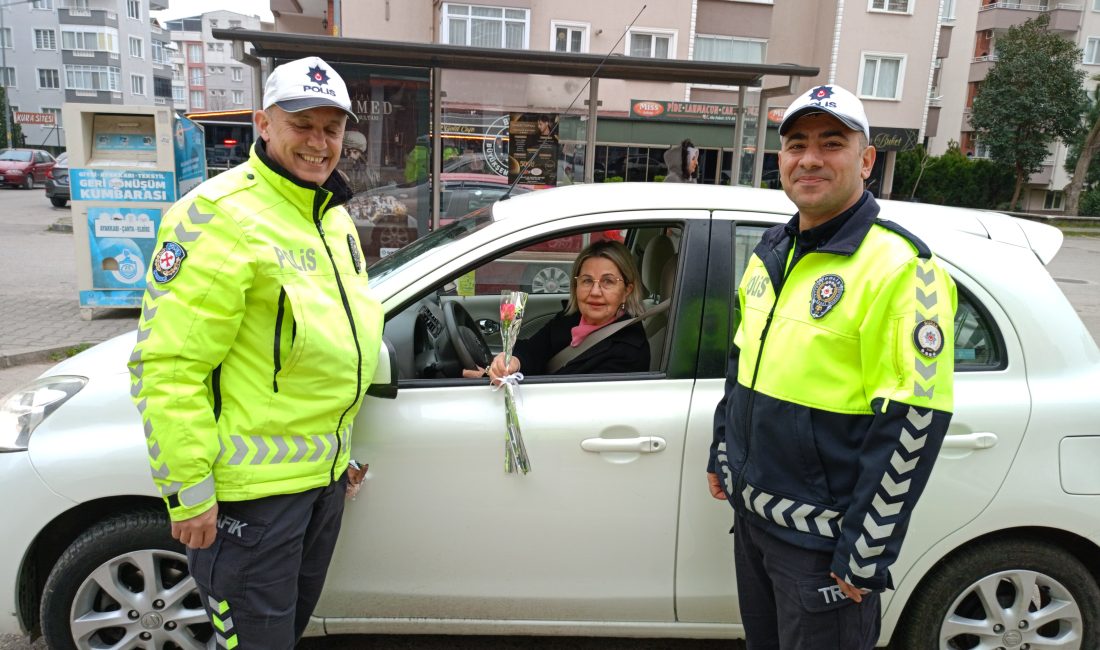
(257, 340)
(838, 392)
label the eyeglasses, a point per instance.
(587, 282)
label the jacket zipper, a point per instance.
(278, 339)
(318, 203)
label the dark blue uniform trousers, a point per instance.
(262, 576)
(789, 601)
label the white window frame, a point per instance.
(53, 110)
(164, 58)
(8, 74)
(42, 5)
(1096, 5)
(5, 38)
(191, 49)
(742, 39)
(135, 81)
(656, 32)
(949, 9)
(51, 36)
(38, 78)
(111, 76)
(1091, 43)
(584, 28)
(445, 19)
(1054, 201)
(898, 92)
(200, 73)
(196, 94)
(109, 34)
(871, 8)
(140, 46)
(179, 94)
(133, 7)
(238, 97)
(236, 73)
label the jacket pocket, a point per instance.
(287, 348)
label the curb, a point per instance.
(47, 355)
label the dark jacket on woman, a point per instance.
(624, 351)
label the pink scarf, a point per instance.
(584, 328)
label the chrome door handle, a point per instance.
(978, 440)
(645, 445)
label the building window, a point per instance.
(7, 79)
(5, 38)
(177, 94)
(1092, 51)
(56, 112)
(236, 74)
(48, 78)
(80, 5)
(197, 99)
(194, 52)
(650, 44)
(1096, 5)
(91, 77)
(1053, 200)
(196, 77)
(137, 84)
(94, 39)
(569, 37)
(478, 26)
(238, 97)
(727, 49)
(133, 9)
(45, 39)
(137, 48)
(893, 6)
(216, 69)
(43, 4)
(881, 75)
(234, 23)
(160, 53)
(216, 47)
(947, 13)
(213, 23)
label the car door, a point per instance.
(441, 531)
(992, 405)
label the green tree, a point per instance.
(952, 179)
(5, 124)
(1031, 97)
(1081, 159)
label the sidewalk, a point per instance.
(40, 315)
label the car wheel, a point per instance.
(124, 583)
(28, 181)
(58, 201)
(550, 279)
(1005, 594)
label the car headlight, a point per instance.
(22, 411)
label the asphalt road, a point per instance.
(28, 256)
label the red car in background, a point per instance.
(24, 167)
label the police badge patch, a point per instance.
(826, 293)
(928, 337)
(167, 262)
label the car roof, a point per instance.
(561, 202)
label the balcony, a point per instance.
(1002, 15)
(1043, 176)
(979, 67)
(943, 50)
(98, 17)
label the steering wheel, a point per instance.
(466, 337)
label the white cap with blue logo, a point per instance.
(830, 99)
(307, 83)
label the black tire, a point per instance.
(123, 548)
(28, 181)
(58, 201)
(1031, 575)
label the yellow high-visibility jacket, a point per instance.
(257, 340)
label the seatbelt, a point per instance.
(559, 360)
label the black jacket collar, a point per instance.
(335, 184)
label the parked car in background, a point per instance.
(613, 532)
(57, 182)
(24, 167)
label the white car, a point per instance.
(613, 533)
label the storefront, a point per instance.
(447, 129)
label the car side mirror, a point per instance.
(384, 382)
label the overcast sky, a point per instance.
(185, 8)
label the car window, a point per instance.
(16, 156)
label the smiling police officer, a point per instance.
(257, 340)
(838, 392)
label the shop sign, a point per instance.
(44, 119)
(122, 185)
(652, 109)
(892, 139)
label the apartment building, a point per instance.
(978, 26)
(206, 77)
(95, 51)
(888, 51)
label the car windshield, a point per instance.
(18, 156)
(435, 240)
